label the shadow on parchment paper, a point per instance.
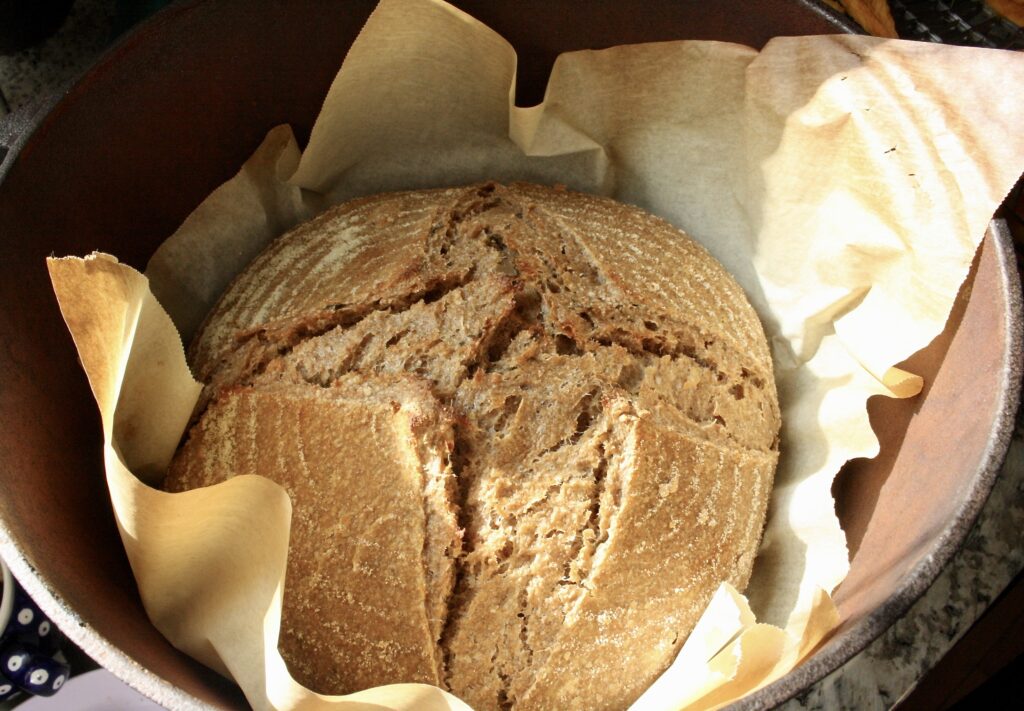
(859, 483)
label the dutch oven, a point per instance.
(117, 162)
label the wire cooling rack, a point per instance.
(965, 22)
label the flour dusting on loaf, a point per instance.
(527, 433)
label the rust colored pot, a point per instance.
(172, 111)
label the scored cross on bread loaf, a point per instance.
(527, 433)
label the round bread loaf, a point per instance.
(527, 433)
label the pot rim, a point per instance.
(17, 129)
(841, 648)
(7, 601)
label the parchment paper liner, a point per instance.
(845, 181)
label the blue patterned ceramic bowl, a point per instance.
(30, 658)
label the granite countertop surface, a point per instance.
(889, 669)
(877, 678)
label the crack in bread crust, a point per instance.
(535, 319)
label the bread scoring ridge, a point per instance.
(577, 352)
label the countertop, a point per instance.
(892, 670)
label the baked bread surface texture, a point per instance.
(527, 433)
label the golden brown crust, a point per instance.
(354, 605)
(687, 518)
(582, 385)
